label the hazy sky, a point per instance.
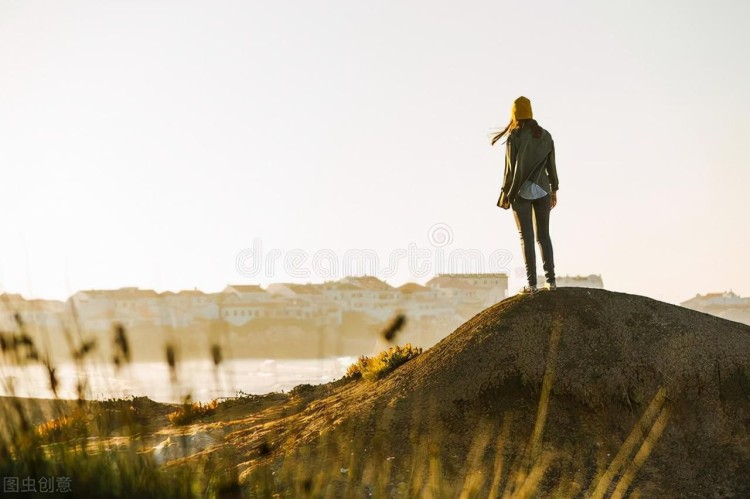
(148, 143)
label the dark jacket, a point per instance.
(529, 158)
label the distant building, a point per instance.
(377, 289)
(412, 289)
(710, 301)
(183, 308)
(241, 303)
(325, 310)
(726, 305)
(238, 313)
(249, 292)
(286, 308)
(291, 290)
(371, 296)
(35, 314)
(48, 314)
(481, 290)
(340, 292)
(10, 304)
(98, 309)
(419, 302)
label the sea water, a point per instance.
(200, 380)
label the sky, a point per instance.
(174, 145)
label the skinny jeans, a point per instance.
(533, 216)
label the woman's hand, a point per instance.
(506, 204)
(553, 200)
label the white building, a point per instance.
(726, 305)
(10, 305)
(98, 310)
(184, 308)
(480, 290)
(246, 292)
(325, 309)
(35, 314)
(372, 296)
(340, 292)
(241, 303)
(715, 301)
(239, 313)
(419, 302)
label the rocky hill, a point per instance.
(598, 393)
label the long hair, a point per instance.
(516, 125)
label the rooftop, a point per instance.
(413, 287)
(339, 286)
(118, 293)
(725, 294)
(300, 289)
(244, 288)
(368, 282)
(460, 280)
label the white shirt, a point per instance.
(530, 190)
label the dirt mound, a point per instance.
(621, 392)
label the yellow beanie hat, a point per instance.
(521, 109)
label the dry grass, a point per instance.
(191, 412)
(98, 447)
(373, 368)
(65, 427)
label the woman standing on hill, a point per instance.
(530, 185)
